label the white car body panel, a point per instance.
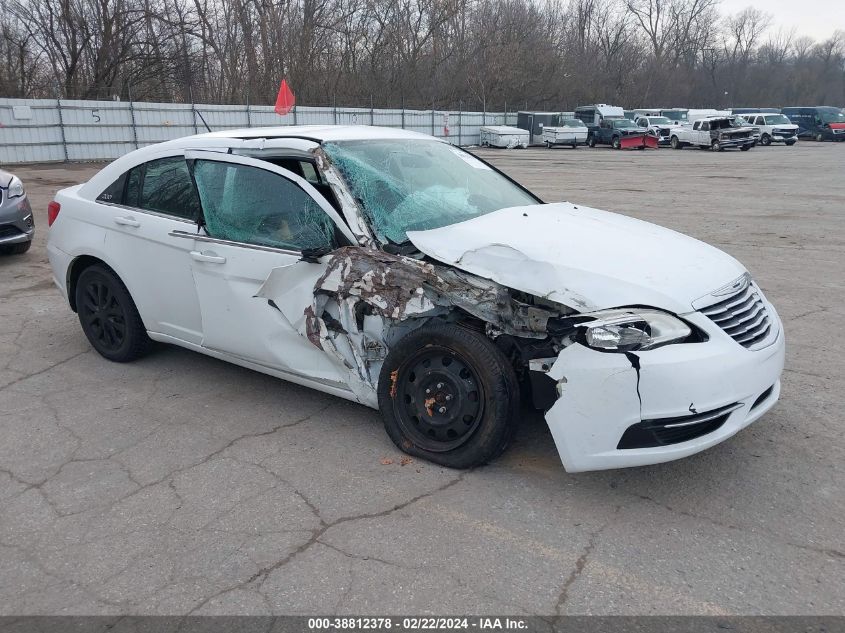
(250, 305)
(550, 251)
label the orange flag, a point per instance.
(285, 99)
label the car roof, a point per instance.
(319, 133)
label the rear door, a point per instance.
(141, 209)
(258, 217)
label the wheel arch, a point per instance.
(77, 266)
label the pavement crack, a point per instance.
(43, 371)
(580, 564)
(262, 574)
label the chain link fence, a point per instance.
(55, 130)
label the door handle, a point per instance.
(211, 259)
(127, 221)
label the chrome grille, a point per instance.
(742, 316)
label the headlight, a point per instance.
(627, 330)
(15, 187)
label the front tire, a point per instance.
(449, 395)
(616, 143)
(819, 137)
(591, 142)
(109, 317)
(676, 143)
(765, 140)
(715, 145)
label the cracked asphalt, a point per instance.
(182, 484)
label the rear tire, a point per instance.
(16, 249)
(449, 395)
(591, 142)
(109, 317)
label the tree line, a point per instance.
(474, 54)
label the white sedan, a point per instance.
(398, 271)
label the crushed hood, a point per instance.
(583, 258)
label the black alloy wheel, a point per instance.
(108, 315)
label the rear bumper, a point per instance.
(59, 264)
(602, 395)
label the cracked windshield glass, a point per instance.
(415, 185)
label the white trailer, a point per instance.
(504, 136)
(570, 132)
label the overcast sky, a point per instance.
(817, 18)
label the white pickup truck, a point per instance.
(715, 132)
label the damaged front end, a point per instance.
(365, 300)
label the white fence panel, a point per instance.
(47, 130)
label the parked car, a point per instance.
(716, 133)
(17, 226)
(570, 132)
(659, 126)
(821, 123)
(774, 128)
(612, 131)
(393, 269)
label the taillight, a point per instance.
(53, 212)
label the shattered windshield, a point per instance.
(416, 184)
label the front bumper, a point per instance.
(17, 224)
(604, 394)
(737, 142)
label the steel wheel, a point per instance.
(616, 143)
(715, 146)
(439, 399)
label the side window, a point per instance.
(246, 204)
(696, 125)
(167, 188)
(133, 186)
(705, 126)
(114, 192)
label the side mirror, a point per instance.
(313, 255)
